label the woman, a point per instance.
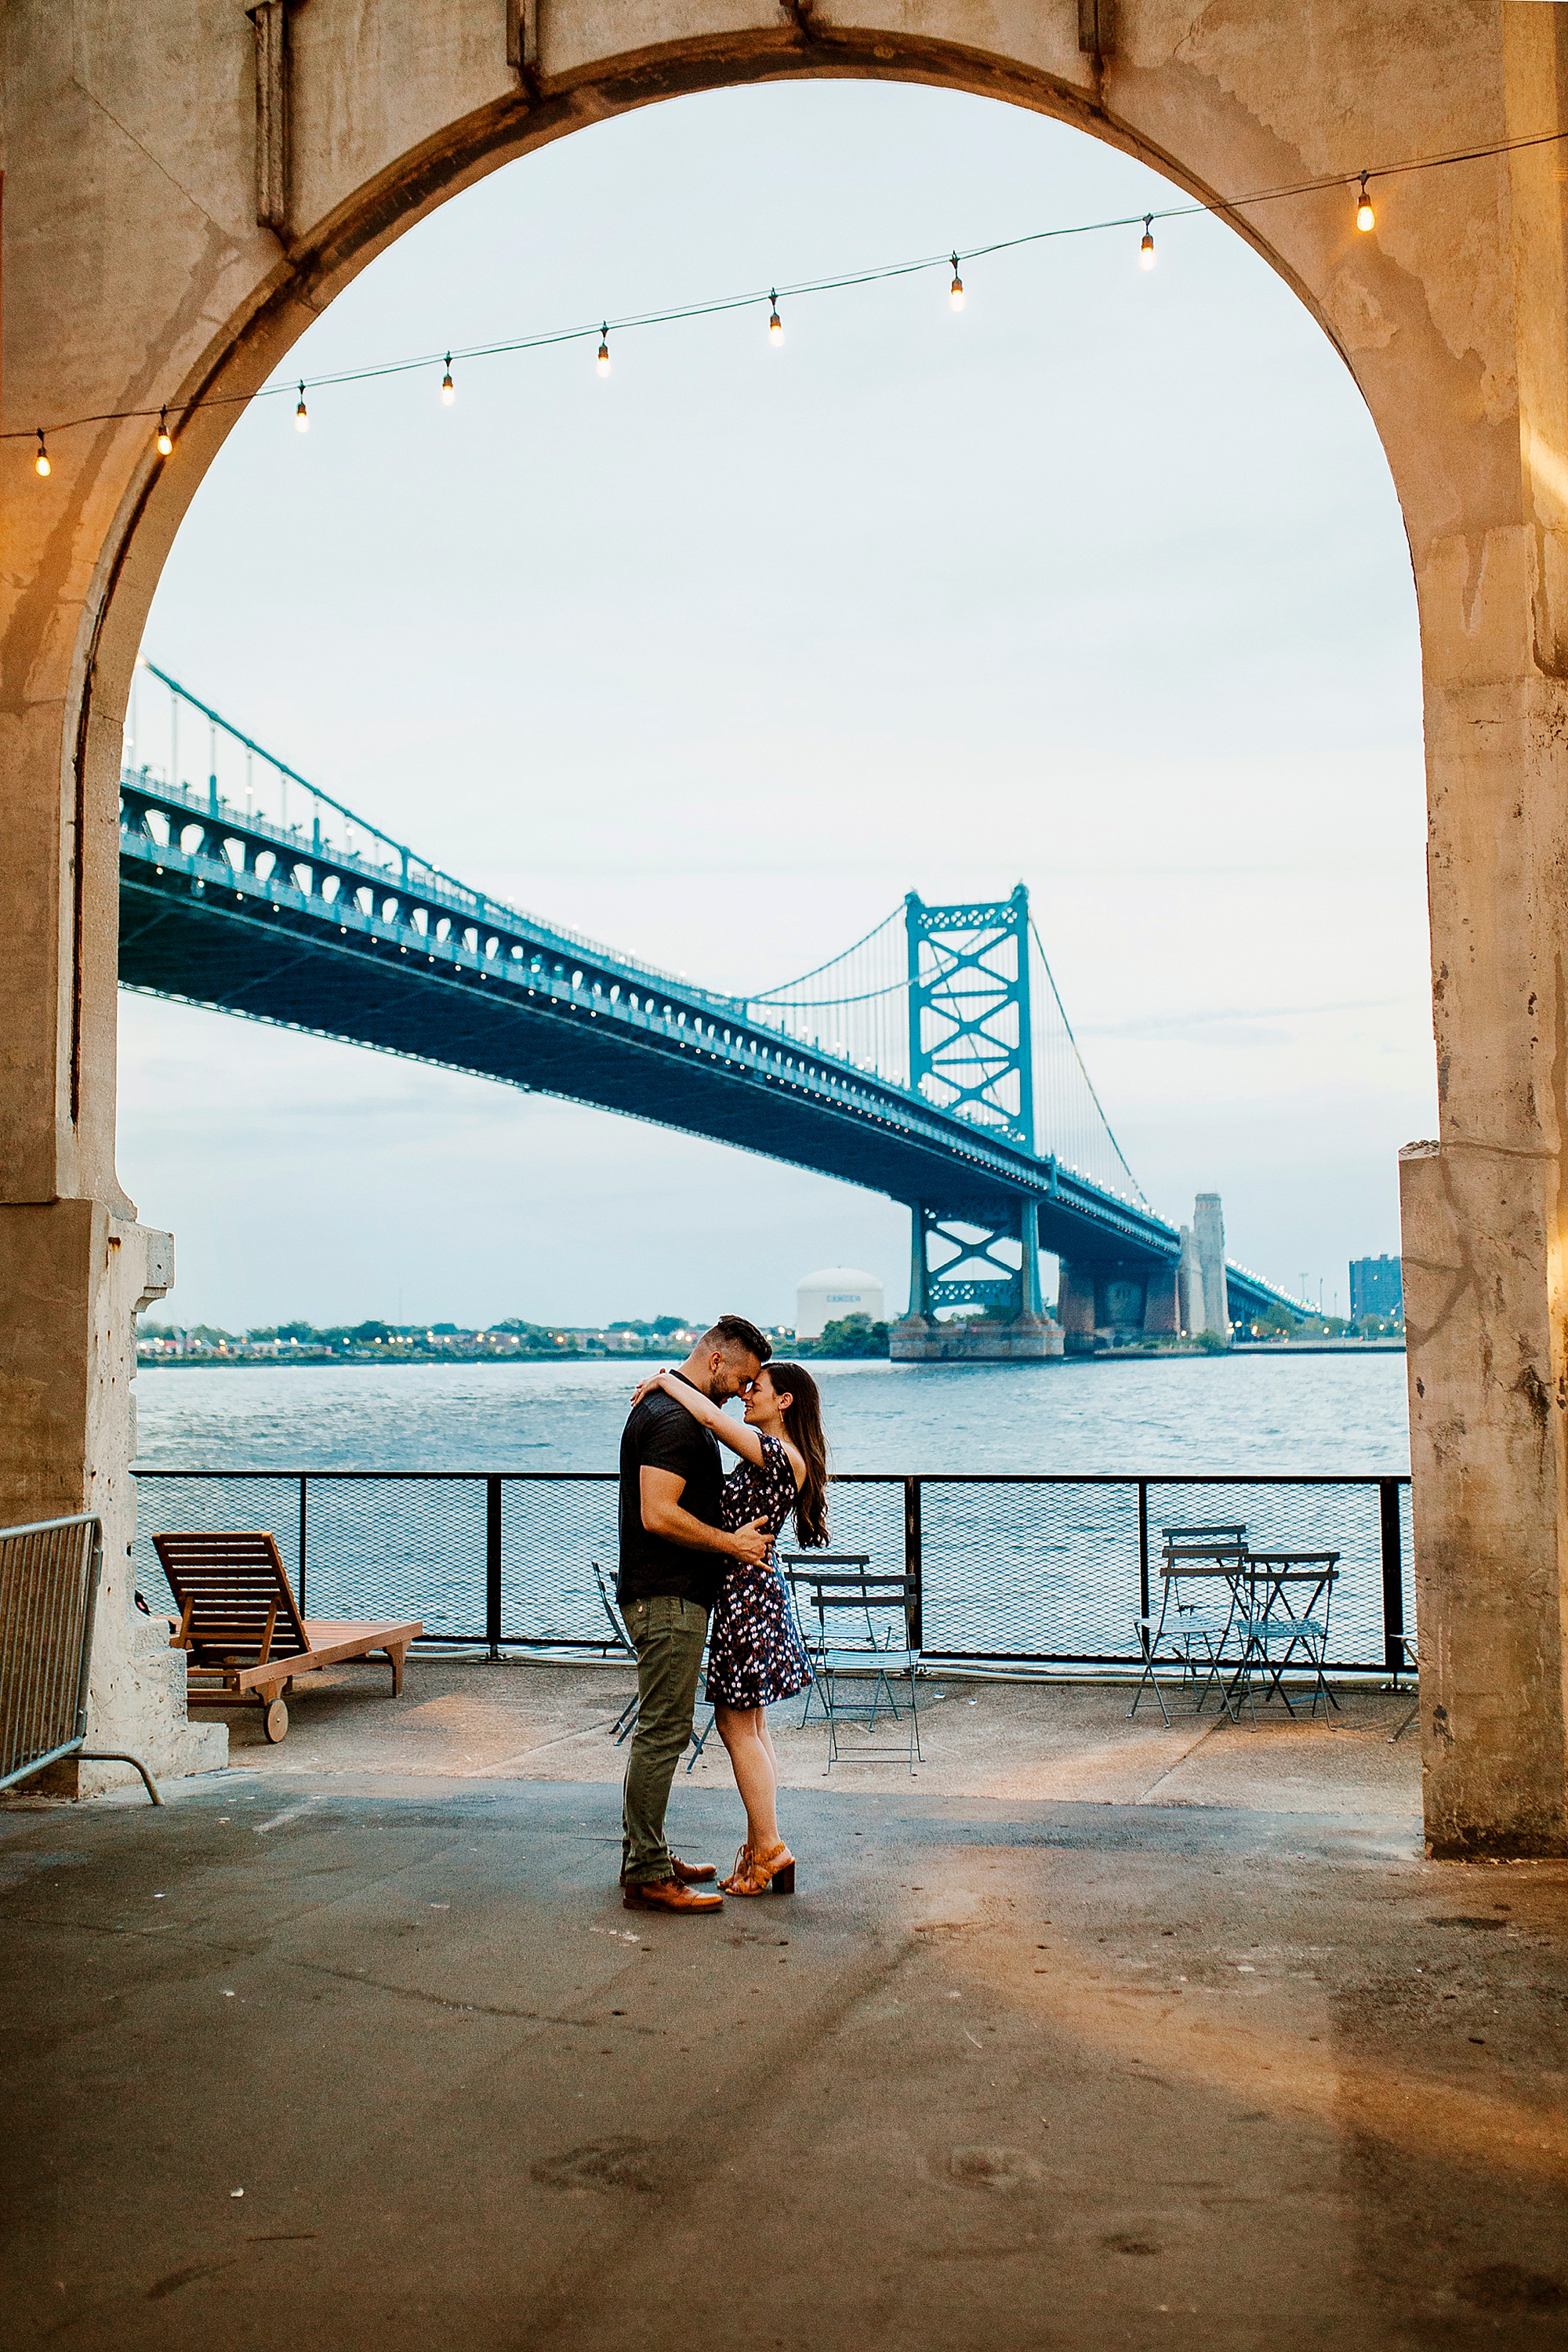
(756, 1654)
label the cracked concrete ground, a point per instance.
(1137, 2042)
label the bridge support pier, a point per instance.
(1028, 1336)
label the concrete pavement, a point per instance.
(1025, 2072)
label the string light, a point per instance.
(449, 389)
(1219, 207)
(165, 438)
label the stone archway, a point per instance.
(189, 188)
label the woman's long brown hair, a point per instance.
(803, 1427)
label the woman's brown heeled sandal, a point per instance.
(736, 1883)
(755, 1875)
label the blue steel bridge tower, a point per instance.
(971, 1054)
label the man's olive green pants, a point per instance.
(668, 1635)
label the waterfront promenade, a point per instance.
(1094, 2034)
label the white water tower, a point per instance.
(828, 1296)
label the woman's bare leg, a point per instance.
(766, 1737)
(745, 1733)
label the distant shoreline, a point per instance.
(1273, 1351)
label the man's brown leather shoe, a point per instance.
(689, 1873)
(669, 1895)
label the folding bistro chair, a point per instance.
(625, 1723)
(241, 1630)
(1189, 1633)
(862, 1635)
(1411, 1665)
(798, 1568)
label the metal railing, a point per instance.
(1010, 1572)
(49, 1575)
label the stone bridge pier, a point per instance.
(188, 188)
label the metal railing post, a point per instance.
(914, 1566)
(1392, 1577)
(1143, 1608)
(492, 1564)
(299, 1596)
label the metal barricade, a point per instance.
(49, 1576)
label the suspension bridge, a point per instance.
(932, 1061)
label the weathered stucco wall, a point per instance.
(136, 272)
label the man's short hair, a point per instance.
(735, 1336)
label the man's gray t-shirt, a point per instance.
(661, 1434)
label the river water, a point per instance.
(1008, 1569)
(1185, 1414)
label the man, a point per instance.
(673, 1552)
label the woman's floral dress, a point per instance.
(756, 1654)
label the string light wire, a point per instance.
(1221, 207)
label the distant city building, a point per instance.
(1376, 1288)
(830, 1297)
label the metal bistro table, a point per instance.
(1277, 1618)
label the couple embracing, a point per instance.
(694, 1545)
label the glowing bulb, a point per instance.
(302, 421)
(776, 325)
(605, 349)
(41, 466)
(1365, 217)
(165, 438)
(1146, 250)
(955, 291)
(449, 389)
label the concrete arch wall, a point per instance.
(136, 271)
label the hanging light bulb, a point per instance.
(776, 325)
(1146, 250)
(165, 438)
(955, 291)
(1365, 218)
(301, 420)
(41, 466)
(605, 349)
(449, 389)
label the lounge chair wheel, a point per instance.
(275, 1720)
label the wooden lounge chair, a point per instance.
(246, 1639)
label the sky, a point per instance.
(1101, 585)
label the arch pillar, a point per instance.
(1485, 1207)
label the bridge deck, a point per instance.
(235, 913)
